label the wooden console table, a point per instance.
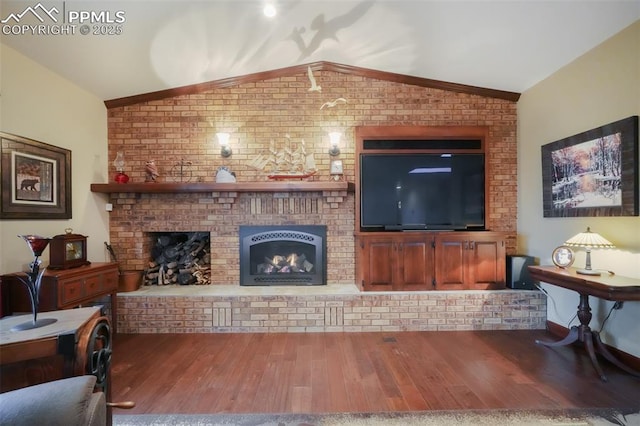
(67, 288)
(606, 286)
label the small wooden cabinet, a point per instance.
(396, 262)
(470, 261)
(65, 289)
(413, 261)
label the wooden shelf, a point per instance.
(182, 188)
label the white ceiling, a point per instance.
(505, 45)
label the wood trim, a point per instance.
(626, 358)
(421, 132)
(418, 132)
(315, 66)
(420, 81)
(183, 188)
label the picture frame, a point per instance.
(35, 179)
(593, 173)
(336, 169)
(563, 257)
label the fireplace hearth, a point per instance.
(283, 255)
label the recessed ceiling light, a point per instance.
(269, 10)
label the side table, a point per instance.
(608, 287)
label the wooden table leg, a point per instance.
(602, 349)
(588, 337)
(573, 336)
(582, 333)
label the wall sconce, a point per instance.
(588, 240)
(223, 140)
(334, 137)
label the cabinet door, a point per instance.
(414, 265)
(470, 261)
(377, 264)
(486, 263)
(450, 261)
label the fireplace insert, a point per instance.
(283, 255)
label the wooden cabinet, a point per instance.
(396, 262)
(409, 261)
(65, 289)
(470, 261)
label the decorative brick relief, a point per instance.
(365, 312)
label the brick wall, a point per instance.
(184, 127)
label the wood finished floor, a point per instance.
(359, 372)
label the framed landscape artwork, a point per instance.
(35, 181)
(594, 173)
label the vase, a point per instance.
(33, 281)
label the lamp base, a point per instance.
(31, 324)
(588, 272)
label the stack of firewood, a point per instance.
(180, 258)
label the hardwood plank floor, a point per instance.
(359, 372)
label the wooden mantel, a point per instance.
(203, 187)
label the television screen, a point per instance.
(422, 191)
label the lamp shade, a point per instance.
(223, 140)
(589, 239)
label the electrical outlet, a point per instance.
(617, 305)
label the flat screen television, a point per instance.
(422, 192)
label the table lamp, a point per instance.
(588, 240)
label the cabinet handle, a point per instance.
(471, 245)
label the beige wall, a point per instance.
(38, 104)
(600, 87)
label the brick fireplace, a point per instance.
(175, 126)
(135, 216)
(283, 255)
(255, 110)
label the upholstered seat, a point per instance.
(65, 402)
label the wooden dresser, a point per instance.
(65, 289)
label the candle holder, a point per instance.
(33, 281)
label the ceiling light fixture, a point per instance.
(269, 10)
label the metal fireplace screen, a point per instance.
(283, 255)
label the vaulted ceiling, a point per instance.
(126, 48)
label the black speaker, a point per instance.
(518, 277)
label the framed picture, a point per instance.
(594, 173)
(562, 257)
(35, 181)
